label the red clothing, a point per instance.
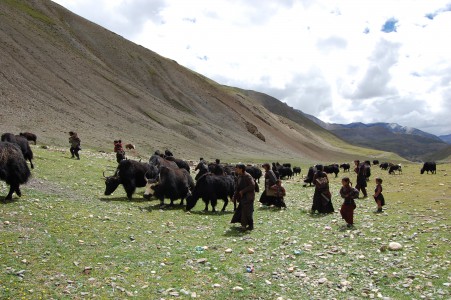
(118, 148)
(347, 209)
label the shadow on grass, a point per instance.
(236, 231)
(157, 206)
(124, 199)
(318, 215)
(211, 213)
(4, 201)
(271, 209)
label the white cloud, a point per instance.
(327, 58)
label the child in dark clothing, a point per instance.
(279, 194)
(378, 197)
(348, 193)
(120, 153)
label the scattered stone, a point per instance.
(250, 251)
(394, 246)
(228, 250)
(201, 260)
(299, 274)
(237, 289)
(322, 280)
(216, 285)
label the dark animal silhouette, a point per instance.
(172, 183)
(131, 174)
(29, 136)
(23, 144)
(429, 166)
(13, 168)
(210, 188)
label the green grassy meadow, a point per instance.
(63, 239)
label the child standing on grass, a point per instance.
(378, 197)
(348, 193)
(279, 194)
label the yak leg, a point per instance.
(226, 201)
(206, 203)
(18, 192)
(12, 188)
(31, 164)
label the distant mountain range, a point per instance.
(445, 138)
(408, 142)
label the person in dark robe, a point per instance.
(280, 194)
(348, 193)
(267, 198)
(245, 196)
(378, 197)
(75, 143)
(360, 169)
(322, 198)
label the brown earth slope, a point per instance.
(60, 72)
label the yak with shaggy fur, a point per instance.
(131, 174)
(13, 168)
(210, 188)
(23, 144)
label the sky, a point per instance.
(341, 61)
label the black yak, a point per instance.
(29, 136)
(172, 183)
(210, 188)
(23, 144)
(131, 174)
(429, 166)
(13, 168)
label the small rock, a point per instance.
(237, 289)
(201, 260)
(228, 250)
(299, 274)
(216, 285)
(322, 280)
(250, 251)
(7, 222)
(394, 246)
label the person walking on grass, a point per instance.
(245, 196)
(360, 169)
(378, 197)
(348, 193)
(322, 197)
(75, 143)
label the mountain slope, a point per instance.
(446, 138)
(60, 72)
(410, 143)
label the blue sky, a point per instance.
(341, 61)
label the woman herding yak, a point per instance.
(245, 196)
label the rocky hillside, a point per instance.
(60, 72)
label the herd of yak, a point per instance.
(164, 176)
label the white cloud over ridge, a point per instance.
(331, 59)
